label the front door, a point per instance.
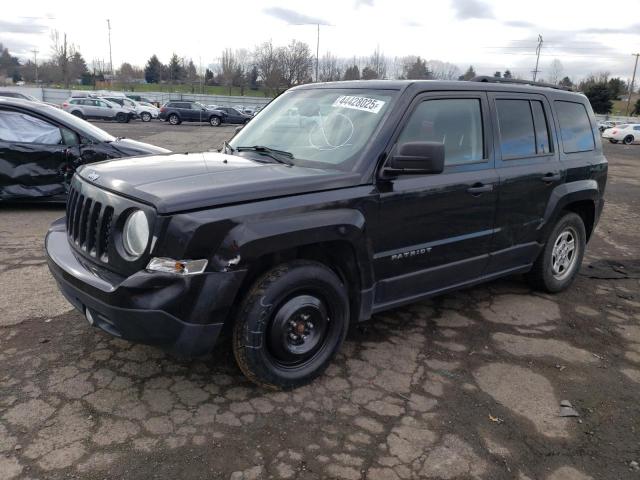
(33, 156)
(435, 231)
(529, 169)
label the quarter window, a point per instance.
(575, 128)
(457, 123)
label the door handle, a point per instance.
(479, 188)
(551, 177)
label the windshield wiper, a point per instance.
(270, 152)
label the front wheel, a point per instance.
(558, 264)
(291, 324)
(215, 121)
(145, 117)
(613, 140)
(628, 140)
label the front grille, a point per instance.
(89, 224)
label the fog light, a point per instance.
(179, 267)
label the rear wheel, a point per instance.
(628, 140)
(215, 121)
(558, 264)
(291, 324)
(174, 119)
(613, 140)
(121, 117)
(145, 117)
(78, 114)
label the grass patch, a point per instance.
(166, 88)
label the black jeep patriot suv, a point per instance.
(337, 201)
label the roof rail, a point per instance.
(488, 79)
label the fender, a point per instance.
(562, 196)
(248, 241)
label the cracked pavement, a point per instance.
(464, 386)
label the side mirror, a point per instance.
(417, 158)
(238, 128)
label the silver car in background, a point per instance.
(97, 109)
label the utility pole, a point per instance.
(317, 52)
(538, 48)
(633, 79)
(110, 58)
(35, 61)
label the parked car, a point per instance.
(125, 103)
(234, 116)
(138, 98)
(147, 111)
(625, 133)
(24, 96)
(403, 190)
(176, 112)
(602, 126)
(41, 146)
(96, 108)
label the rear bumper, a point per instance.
(181, 314)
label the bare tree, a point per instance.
(555, 71)
(267, 61)
(62, 53)
(378, 63)
(329, 68)
(228, 67)
(443, 70)
(296, 60)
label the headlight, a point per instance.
(136, 234)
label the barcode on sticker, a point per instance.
(359, 103)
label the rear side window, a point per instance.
(543, 144)
(517, 134)
(457, 123)
(575, 128)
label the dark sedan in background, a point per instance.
(41, 146)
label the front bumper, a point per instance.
(181, 314)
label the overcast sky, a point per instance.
(585, 35)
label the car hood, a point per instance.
(180, 182)
(131, 147)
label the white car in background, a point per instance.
(626, 133)
(146, 111)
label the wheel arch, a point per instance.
(334, 238)
(581, 197)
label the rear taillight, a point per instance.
(65, 104)
(163, 109)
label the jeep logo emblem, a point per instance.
(93, 176)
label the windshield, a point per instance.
(319, 127)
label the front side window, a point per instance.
(575, 128)
(321, 127)
(23, 128)
(457, 123)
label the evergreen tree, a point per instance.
(153, 70)
(599, 96)
(352, 73)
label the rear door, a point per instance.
(435, 231)
(529, 169)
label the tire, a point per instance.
(215, 121)
(628, 140)
(174, 119)
(290, 325)
(145, 117)
(121, 117)
(78, 114)
(612, 140)
(557, 265)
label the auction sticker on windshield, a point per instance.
(359, 103)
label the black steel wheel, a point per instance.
(291, 324)
(77, 113)
(121, 117)
(628, 140)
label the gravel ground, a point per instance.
(467, 385)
